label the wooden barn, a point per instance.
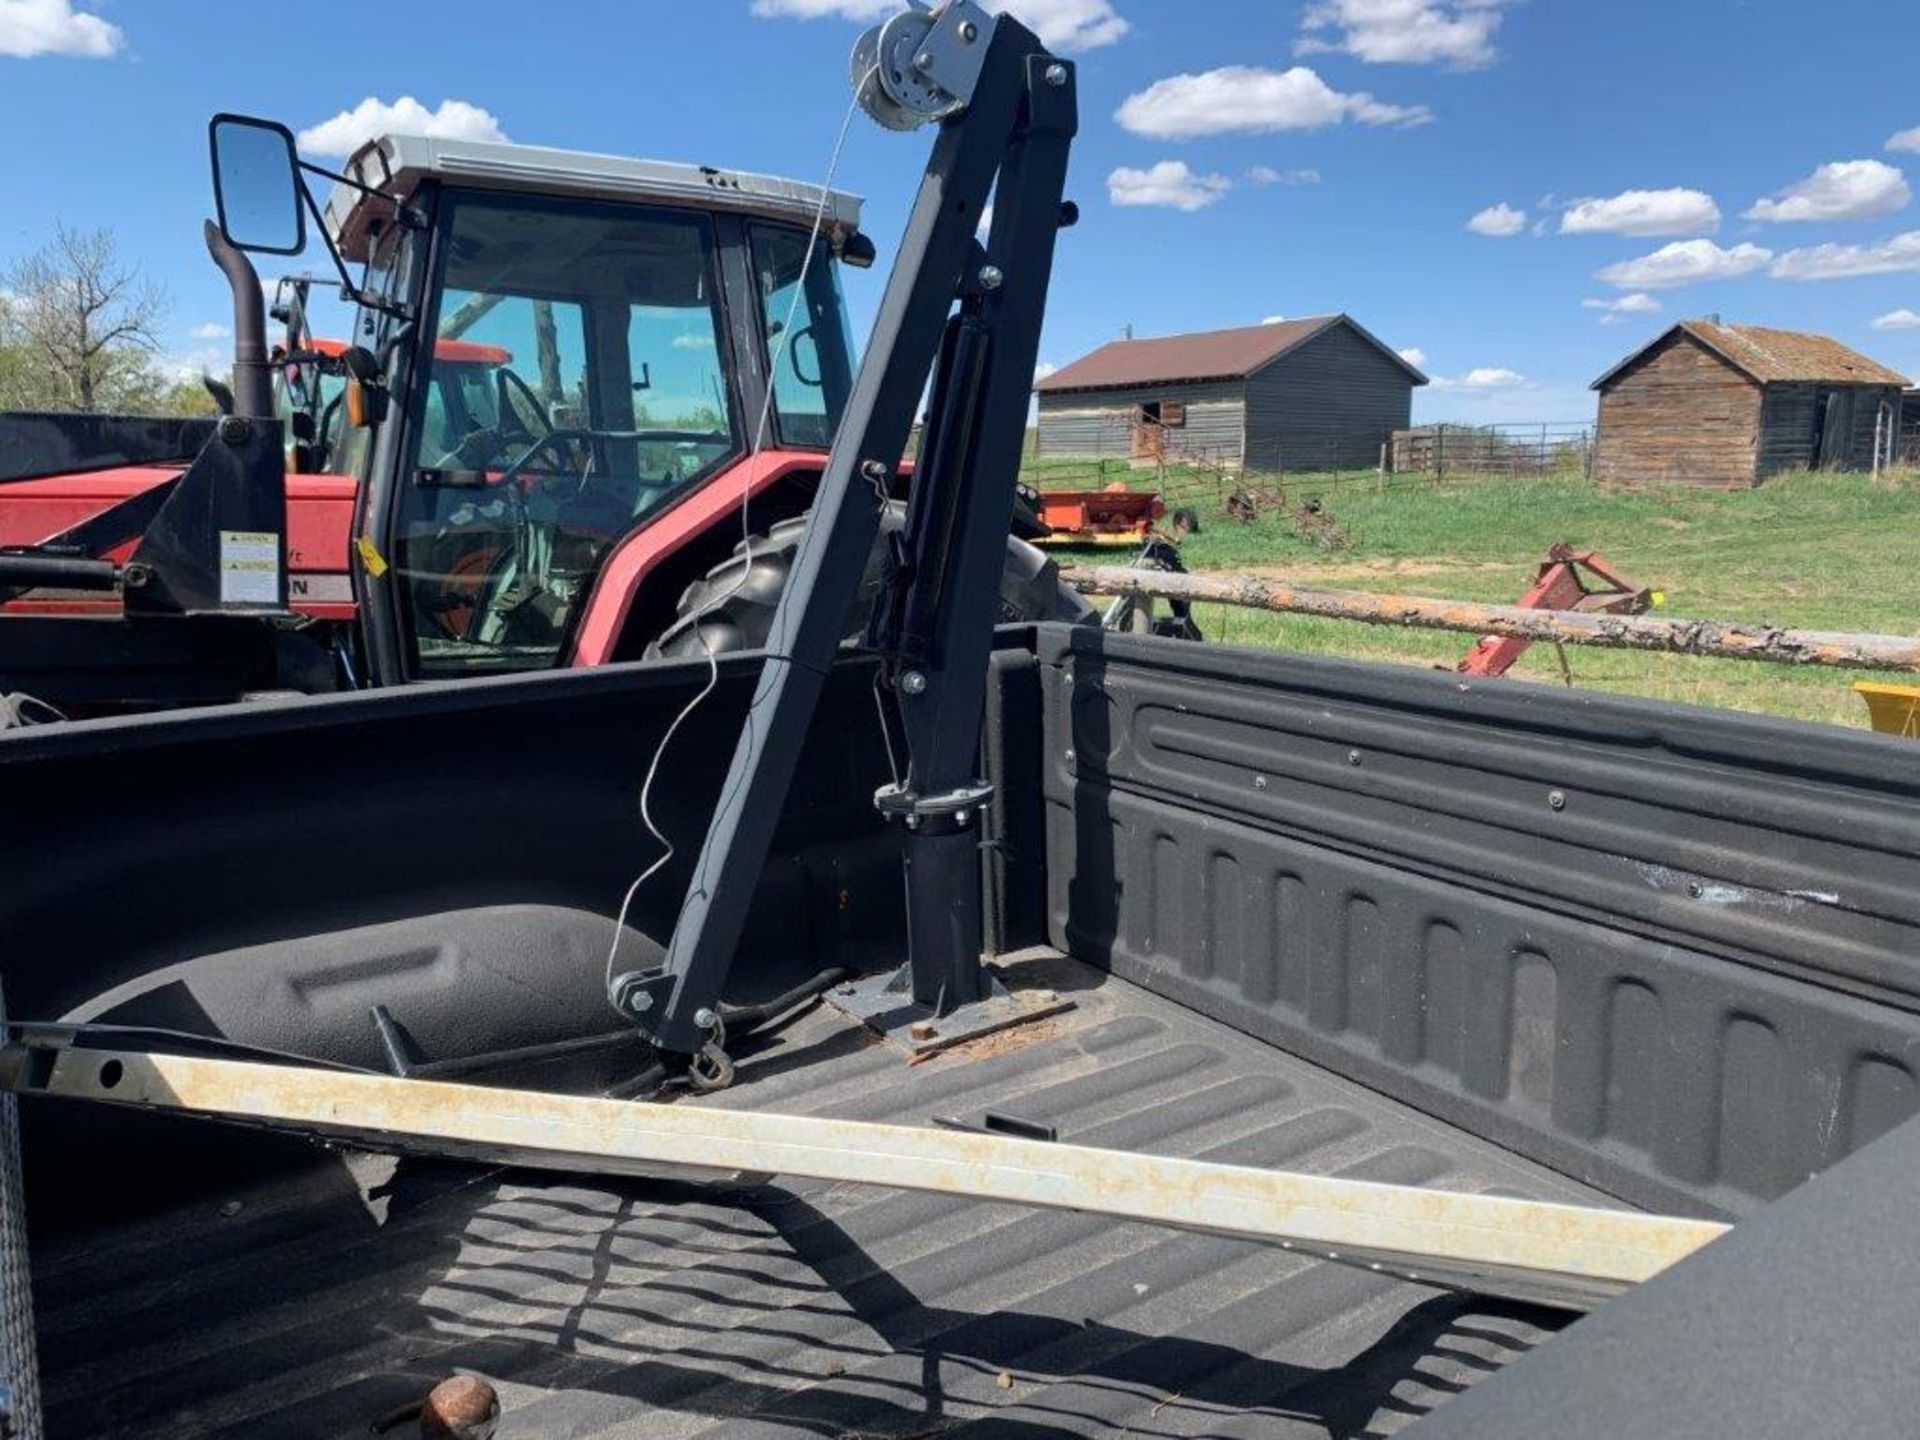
(1716, 404)
(1315, 394)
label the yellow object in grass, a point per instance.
(1893, 709)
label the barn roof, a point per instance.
(1207, 355)
(1774, 356)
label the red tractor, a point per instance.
(569, 399)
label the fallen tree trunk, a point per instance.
(1723, 639)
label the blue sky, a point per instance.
(1238, 160)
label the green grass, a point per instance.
(1818, 552)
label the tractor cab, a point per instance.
(551, 352)
(567, 346)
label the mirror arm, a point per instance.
(406, 214)
(348, 290)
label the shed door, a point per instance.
(1149, 438)
(1832, 420)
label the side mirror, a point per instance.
(256, 185)
(858, 251)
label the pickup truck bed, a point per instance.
(787, 1309)
(1350, 919)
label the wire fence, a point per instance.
(1505, 451)
(1292, 473)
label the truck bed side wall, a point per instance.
(454, 850)
(1672, 952)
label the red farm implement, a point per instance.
(1113, 516)
(1568, 579)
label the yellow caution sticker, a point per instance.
(371, 559)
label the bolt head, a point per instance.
(913, 682)
(1056, 74)
(234, 429)
(1353, 757)
(1259, 782)
(923, 61)
(991, 277)
(969, 31)
(705, 1018)
(1556, 800)
(641, 1003)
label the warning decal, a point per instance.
(249, 567)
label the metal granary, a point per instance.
(1709, 403)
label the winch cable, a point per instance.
(667, 850)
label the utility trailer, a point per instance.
(1289, 1011)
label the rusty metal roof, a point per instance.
(1206, 355)
(1774, 357)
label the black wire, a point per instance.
(743, 1020)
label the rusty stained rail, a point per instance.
(1721, 639)
(1548, 1253)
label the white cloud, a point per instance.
(1615, 312)
(1635, 304)
(1898, 320)
(1043, 370)
(692, 340)
(1484, 377)
(1267, 175)
(54, 27)
(1061, 24)
(1404, 32)
(1906, 140)
(1492, 377)
(1273, 320)
(1897, 256)
(1845, 190)
(373, 117)
(1499, 221)
(212, 330)
(1414, 356)
(1245, 99)
(1685, 262)
(192, 364)
(1644, 213)
(1168, 183)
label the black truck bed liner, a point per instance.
(663, 1309)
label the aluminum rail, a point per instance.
(1722, 639)
(1561, 1255)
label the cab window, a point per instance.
(812, 367)
(574, 386)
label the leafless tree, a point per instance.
(88, 319)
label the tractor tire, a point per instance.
(727, 610)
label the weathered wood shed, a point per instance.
(1312, 394)
(1717, 404)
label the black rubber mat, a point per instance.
(309, 1304)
